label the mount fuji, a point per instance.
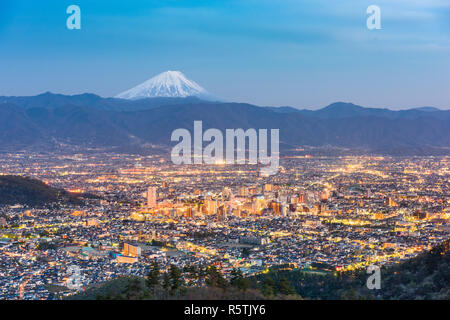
(173, 84)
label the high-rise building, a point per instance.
(131, 250)
(211, 206)
(151, 197)
(284, 211)
(221, 213)
(243, 191)
(276, 207)
(319, 208)
(189, 212)
(301, 198)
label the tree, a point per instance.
(153, 278)
(134, 289)
(245, 252)
(191, 272)
(284, 287)
(215, 278)
(236, 276)
(175, 278)
(244, 284)
(201, 274)
(166, 283)
(238, 281)
(268, 287)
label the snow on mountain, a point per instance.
(167, 84)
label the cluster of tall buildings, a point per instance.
(249, 200)
(151, 197)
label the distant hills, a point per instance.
(53, 101)
(32, 192)
(90, 120)
(341, 110)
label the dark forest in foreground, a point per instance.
(426, 276)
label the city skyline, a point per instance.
(319, 214)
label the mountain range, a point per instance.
(89, 120)
(172, 84)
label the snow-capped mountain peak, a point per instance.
(166, 84)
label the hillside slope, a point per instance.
(425, 277)
(27, 191)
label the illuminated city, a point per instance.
(343, 213)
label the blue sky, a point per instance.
(302, 53)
